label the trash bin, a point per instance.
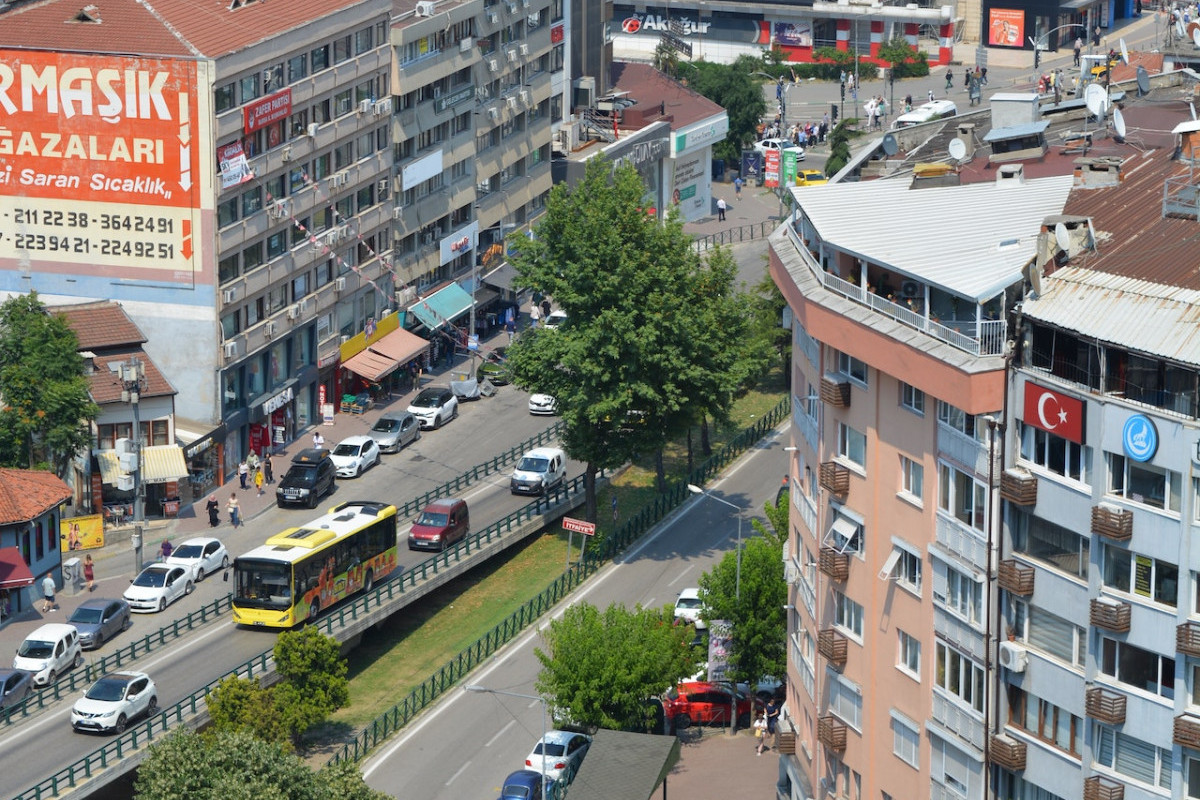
(171, 507)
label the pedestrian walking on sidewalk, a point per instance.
(318, 442)
(259, 480)
(48, 587)
(1078, 49)
(214, 511)
(165, 549)
(772, 713)
(89, 573)
(243, 473)
(737, 187)
(949, 80)
(721, 209)
(760, 734)
(268, 469)
(235, 511)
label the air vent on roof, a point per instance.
(87, 14)
(236, 4)
(1010, 174)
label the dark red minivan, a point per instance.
(439, 525)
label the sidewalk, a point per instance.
(719, 765)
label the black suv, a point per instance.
(308, 479)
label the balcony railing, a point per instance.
(832, 645)
(1187, 639)
(1112, 522)
(1187, 731)
(1097, 787)
(1016, 577)
(1008, 752)
(834, 564)
(1018, 486)
(1105, 705)
(1110, 614)
(831, 732)
(835, 478)
(835, 392)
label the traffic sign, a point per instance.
(579, 526)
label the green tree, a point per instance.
(229, 765)
(735, 88)
(314, 681)
(239, 704)
(47, 407)
(599, 668)
(906, 62)
(839, 149)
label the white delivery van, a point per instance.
(48, 652)
(927, 112)
(539, 470)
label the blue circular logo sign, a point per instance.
(1140, 438)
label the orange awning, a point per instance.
(384, 356)
(14, 572)
(370, 365)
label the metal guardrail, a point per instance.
(744, 233)
(595, 557)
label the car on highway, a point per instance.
(157, 586)
(440, 524)
(201, 556)
(563, 751)
(14, 686)
(494, 367)
(704, 703)
(688, 607)
(555, 320)
(99, 619)
(434, 406)
(308, 479)
(113, 701)
(394, 430)
(539, 470)
(354, 455)
(543, 405)
(48, 652)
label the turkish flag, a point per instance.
(1054, 412)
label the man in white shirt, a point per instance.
(721, 209)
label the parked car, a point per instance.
(539, 470)
(157, 586)
(14, 686)
(704, 703)
(688, 607)
(434, 406)
(767, 145)
(48, 652)
(354, 455)
(555, 320)
(114, 700)
(99, 619)
(525, 784)
(394, 430)
(543, 405)
(563, 751)
(308, 479)
(494, 367)
(440, 524)
(201, 557)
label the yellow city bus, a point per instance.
(300, 571)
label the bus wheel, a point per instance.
(369, 583)
(314, 608)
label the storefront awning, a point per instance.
(160, 464)
(502, 277)
(442, 306)
(14, 572)
(110, 468)
(371, 366)
(386, 354)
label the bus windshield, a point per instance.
(262, 584)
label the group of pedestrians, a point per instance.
(213, 507)
(260, 471)
(766, 726)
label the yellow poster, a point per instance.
(81, 533)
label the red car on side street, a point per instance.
(705, 703)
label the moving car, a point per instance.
(926, 112)
(539, 470)
(440, 524)
(354, 455)
(99, 619)
(157, 586)
(308, 479)
(14, 686)
(563, 751)
(688, 607)
(201, 557)
(394, 430)
(704, 703)
(434, 406)
(767, 145)
(810, 177)
(48, 652)
(543, 405)
(555, 320)
(114, 700)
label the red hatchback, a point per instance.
(704, 703)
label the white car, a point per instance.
(157, 586)
(434, 406)
(354, 455)
(564, 752)
(114, 700)
(201, 557)
(555, 319)
(688, 607)
(778, 145)
(543, 405)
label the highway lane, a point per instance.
(38, 747)
(469, 742)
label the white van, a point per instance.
(927, 112)
(539, 470)
(48, 652)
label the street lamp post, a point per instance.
(475, 687)
(133, 383)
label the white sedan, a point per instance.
(354, 455)
(157, 586)
(201, 557)
(779, 145)
(114, 700)
(688, 607)
(558, 755)
(543, 405)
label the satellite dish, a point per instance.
(1035, 278)
(890, 145)
(1096, 100)
(1119, 124)
(958, 149)
(1143, 81)
(1062, 237)
(1124, 52)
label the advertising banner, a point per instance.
(235, 168)
(100, 164)
(1006, 27)
(81, 533)
(752, 166)
(771, 170)
(271, 109)
(789, 167)
(794, 34)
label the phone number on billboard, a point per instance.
(50, 243)
(104, 222)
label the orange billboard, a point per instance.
(103, 163)
(1006, 27)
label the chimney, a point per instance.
(1010, 175)
(1093, 173)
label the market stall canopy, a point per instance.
(160, 464)
(14, 572)
(443, 306)
(385, 355)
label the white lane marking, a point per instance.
(461, 770)
(500, 733)
(682, 575)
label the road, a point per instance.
(467, 744)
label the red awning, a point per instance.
(14, 572)
(388, 353)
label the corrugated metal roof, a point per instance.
(1100, 305)
(1017, 131)
(949, 236)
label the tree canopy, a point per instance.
(47, 406)
(599, 668)
(735, 88)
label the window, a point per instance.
(319, 58)
(912, 478)
(959, 675)
(1143, 483)
(224, 98)
(910, 655)
(1044, 720)
(297, 67)
(852, 445)
(1141, 575)
(1132, 757)
(908, 569)
(912, 398)
(847, 614)
(852, 368)
(906, 739)
(1138, 668)
(1193, 778)
(1047, 632)
(341, 49)
(845, 699)
(1054, 453)
(249, 87)
(958, 592)
(1014, 787)
(1053, 544)
(961, 421)
(845, 536)
(960, 495)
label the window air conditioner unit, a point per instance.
(493, 17)
(313, 127)
(381, 187)
(339, 179)
(493, 65)
(397, 212)
(383, 107)
(303, 304)
(512, 103)
(365, 105)
(511, 53)
(524, 96)
(269, 328)
(294, 312)
(524, 49)
(279, 209)
(511, 6)
(339, 285)
(465, 45)
(437, 92)
(345, 338)
(286, 153)
(1013, 657)
(494, 112)
(428, 237)
(228, 295)
(425, 9)
(230, 349)
(535, 19)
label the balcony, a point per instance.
(1100, 788)
(1187, 731)
(835, 392)
(1187, 639)
(831, 732)
(1112, 522)
(1018, 486)
(834, 564)
(1016, 578)
(835, 478)
(1008, 752)
(1110, 614)
(832, 646)
(787, 743)
(1105, 705)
